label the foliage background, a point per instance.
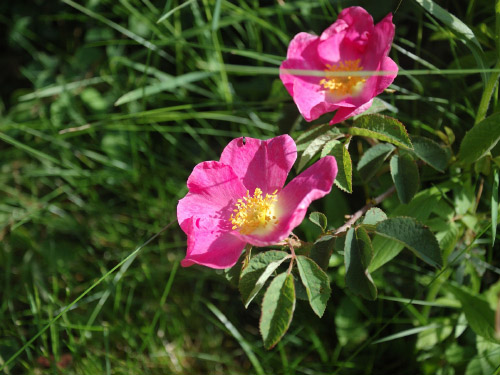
(104, 113)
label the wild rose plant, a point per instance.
(241, 201)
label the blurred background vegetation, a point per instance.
(105, 108)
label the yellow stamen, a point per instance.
(345, 84)
(255, 212)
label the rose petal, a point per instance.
(310, 100)
(213, 190)
(293, 201)
(344, 113)
(303, 48)
(209, 244)
(384, 81)
(347, 38)
(379, 44)
(261, 164)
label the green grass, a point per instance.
(107, 107)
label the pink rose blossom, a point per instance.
(241, 199)
(352, 43)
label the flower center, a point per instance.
(342, 84)
(254, 212)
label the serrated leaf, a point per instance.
(430, 152)
(255, 275)
(314, 132)
(373, 216)
(404, 172)
(419, 208)
(415, 236)
(373, 159)
(381, 127)
(277, 309)
(322, 250)
(344, 164)
(328, 147)
(316, 283)
(357, 255)
(480, 139)
(312, 149)
(478, 313)
(319, 219)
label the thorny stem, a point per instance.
(363, 210)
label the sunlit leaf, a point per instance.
(316, 283)
(319, 219)
(277, 309)
(255, 275)
(480, 139)
(384, 128)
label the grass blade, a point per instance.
(237, 335)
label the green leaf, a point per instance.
(373, 159)
(329, 146)
(480, 316)
(319, 219)
(322, 250)
(312, 149)
(494, 206)
(377, 106)
(233, 274)
(419, 208)
(430, 152)
(404, 172)
(480, 139)
(357, 255)
(310, 135)
(277, 309)
(415, 236)
(255, 275)
(344, 164)
(385, 128)
(373, 216)
(316, 282)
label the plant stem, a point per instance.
(363, 210)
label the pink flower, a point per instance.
(241, 199)
(352, 43)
